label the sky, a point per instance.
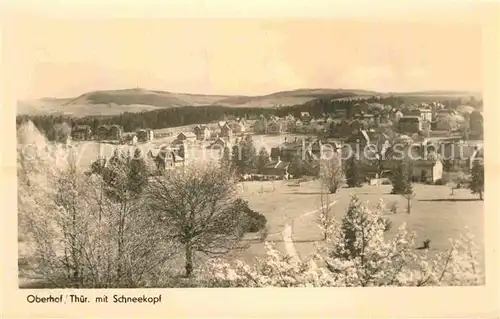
(58, 57)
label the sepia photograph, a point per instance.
(249, 153)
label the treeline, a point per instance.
(172, 117)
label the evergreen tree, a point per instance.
(226, 160)
(236, 159)
(249, 153)
(137, 172)
(477, 182)
(262, 159)
(353, 174)
(401, 178)
(125, 175)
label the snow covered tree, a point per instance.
(331, 173)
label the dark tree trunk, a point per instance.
(189, 262)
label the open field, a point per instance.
(435, 214)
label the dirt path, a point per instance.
(287, 235)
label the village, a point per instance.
(454, 135)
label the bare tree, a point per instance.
(195, 205)
(408, 194)
(331, 173)
(326, 221)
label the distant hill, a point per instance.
(113, 102)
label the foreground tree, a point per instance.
(195, 206)
(357, 254)
(476, 184)
(331, 173)
(80, 238)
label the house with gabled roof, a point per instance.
(186, 137)
(202, 132)
(226, 131)
(81, 132)
(305, 117)
(274, 127)
(427, 165)
(277, 168)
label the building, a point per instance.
(202, 132)
(426, 164)
(166, 158)
(288, 124)
(226, 131)
(186, 137)
(410, 124)
(299, 126)
(424, 114)
(145, 135)
(277, 168)
(427, 171)
(396, 115)
(81, 132)
(274, 127)
(110, 132)
(305, 117)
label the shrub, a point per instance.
(255, 221)
(252, 221)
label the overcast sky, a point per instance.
(64, 58)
